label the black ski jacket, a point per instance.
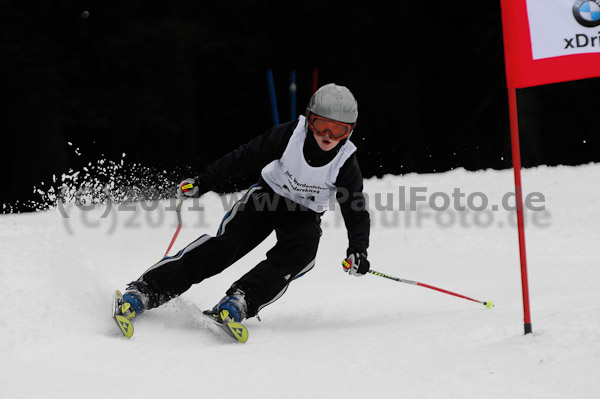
(263, 149)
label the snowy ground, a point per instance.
(331, 335)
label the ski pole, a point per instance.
(487, 304)
(178, 210)
(188, 186)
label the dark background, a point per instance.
(176, 84)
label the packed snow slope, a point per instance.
(331, 335)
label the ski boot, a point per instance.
(228, 315)
(126, 307)
(232, 308)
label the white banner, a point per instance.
(564, 27)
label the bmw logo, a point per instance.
(587, 12)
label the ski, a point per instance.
(230, 330)
(124, 323)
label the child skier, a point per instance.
(304, 165)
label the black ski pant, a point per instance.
(251, 220)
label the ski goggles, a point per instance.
(336, 130)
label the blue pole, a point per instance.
(272, 96)
(293, 95)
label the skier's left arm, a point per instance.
(353, 205)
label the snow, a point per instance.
(330, 335)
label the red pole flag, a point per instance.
(549, 41)
(545, 41)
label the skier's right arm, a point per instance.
(248, 157)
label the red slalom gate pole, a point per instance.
(516, 155)
(315, 80)
(487, 304)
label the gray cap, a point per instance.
(334, 102)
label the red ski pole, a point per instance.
(185, 186)
(487, 304)
(178, 210)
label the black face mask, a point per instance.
(314, 155)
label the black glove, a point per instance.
(187, 189)
(356, 263)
